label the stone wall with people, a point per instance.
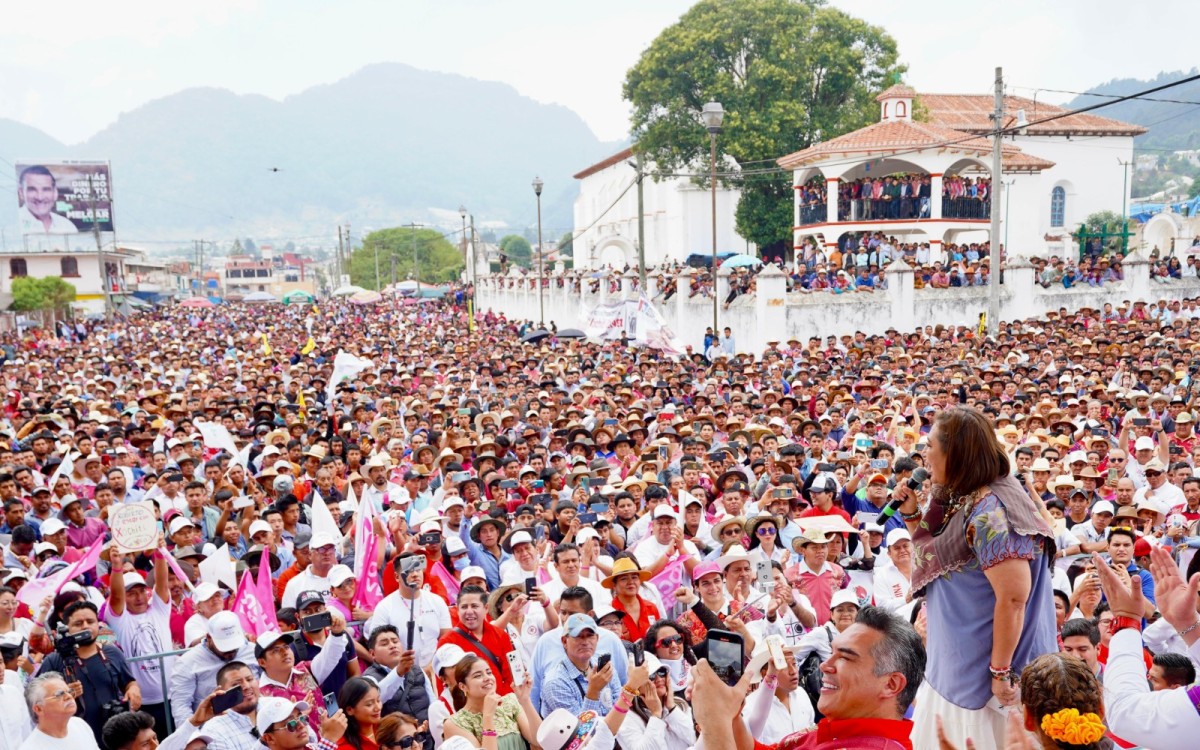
(774, 314)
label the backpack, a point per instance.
(810, 676)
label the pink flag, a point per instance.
(251, 607)
(38, 589)
(452, 586)
(369, 592)
(178, 571)
(266, 592)
(669, 579)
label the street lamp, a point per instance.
(462, 211)
(537, 190)
(713, 115)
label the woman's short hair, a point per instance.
(974, 457)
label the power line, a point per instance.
(1109, 96)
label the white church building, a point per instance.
(678, 217)
(1056, 173)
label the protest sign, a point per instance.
(133, 525)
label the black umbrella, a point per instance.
(534, 336)
(571, 333)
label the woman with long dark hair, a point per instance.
(359, 699)
(483, 716)
(671, 643)
(983, 563)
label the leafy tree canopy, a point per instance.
(438, 260)
(789, 73)
(517, 248)
(50, 293)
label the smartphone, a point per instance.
(431, 537)
(517, 667)
(726, 655)
(316, 623)
(1175, 450)
(227, 700)
(330, 704)
(603, 660)
(464, 412)
(538, 484)
(508, 484)
(662, 453)
(1098, 432)
(1141, 422)
(879, 463)
(610, 422)
(1112, 475)
(639, 654)
(762, 572)
(842, 455)
(585, 482)
(598, 507)
(784, 493)
(530, 586)
(586, 519)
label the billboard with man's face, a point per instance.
(58, 197)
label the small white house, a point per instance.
(678, 217)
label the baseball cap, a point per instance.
(205, 591)
(52, 526)
(845, 596)
(578, 623)
(133, 578)
(447, 655)
(472, 571)
(268, 639)
(664, 511)
(322, 540)
(258, 526)
(12, 640)
(896, 535)
(823, 484)
(338, 575)
(1103, 506)
(1144, 443)
(455, 546)
(308, 598)
(179, 522)
(705, 569)
(41, 547)
(877, 478)
(225, 629)
(272, 710)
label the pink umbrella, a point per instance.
(197, 302)
(365, 297)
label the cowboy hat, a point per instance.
(622, 567)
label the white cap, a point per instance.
(339, 574)
(431, 526)
(322, 540)
(447, 655)
(272, 710)
(896, 535)
(1103, 506)
(15, 575)
(205, 591)
(845, 596)
(453, 502)
(133, 578)
(52, 526)
(1144, 443)
(258, 526)
(41, 547)
(12, 639)
(1076, 457)
(586, 533)
(472, 571)
(180, 522)
(455, 546)
(665, 511)
(225, 629)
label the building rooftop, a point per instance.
(970, 113)
(616, 158)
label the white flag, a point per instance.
(216, 436)
(346, 366)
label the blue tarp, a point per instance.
(1141, 212)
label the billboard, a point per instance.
(57, 197)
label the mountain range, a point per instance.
(384, 146)
(1174, 126)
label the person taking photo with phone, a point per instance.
(283, 677)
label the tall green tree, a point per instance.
(438, 260)
(517, 248)
(50, 294)
(566, 245)
(789, 73)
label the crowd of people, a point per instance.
(895, 197)
(397, 527)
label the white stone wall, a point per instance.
(772, 315)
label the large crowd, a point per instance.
(395, 527)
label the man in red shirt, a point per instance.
(477, 636)
(866, 687)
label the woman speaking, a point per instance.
(983, 556)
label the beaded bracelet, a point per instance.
(1189, 628)
(488, 733)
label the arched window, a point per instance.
(1058, 206)
(885, 110)
(901, 110)
(17, 268)
(70, 267)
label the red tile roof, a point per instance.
(614, 159)
(897, 91)
(970, 112)
(905, 136)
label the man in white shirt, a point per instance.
(53, 708)
(195, 673)
(893, 582)
(315, 577)
(141, 620)
(567, 564)
(1158, 490)
(411, 603)
(380, 492)
(665, 543)
(39, 197)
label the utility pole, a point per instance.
(474, 253)
(337, 263)
(108, 305)
(993, 321)
(641, 225)
(375, 248)
(412, 228)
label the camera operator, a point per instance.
(98, 677)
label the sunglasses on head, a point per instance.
(669, 641)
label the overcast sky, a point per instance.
(72, 66)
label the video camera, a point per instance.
(67, 644)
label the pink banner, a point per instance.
(452, 586)
(266, 592)
(38, 589)
(178, 571)
(669, 579)
(369, 592)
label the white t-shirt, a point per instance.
(891, 588)
(428, 610)
(1165, 498)
(554, 589)
(650, 549)
(140, 635)
(305, 581)
(79, 737)
(195, 629)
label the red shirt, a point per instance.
(847, 734)
(495, 640)
(435, 585)
(648, 614)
